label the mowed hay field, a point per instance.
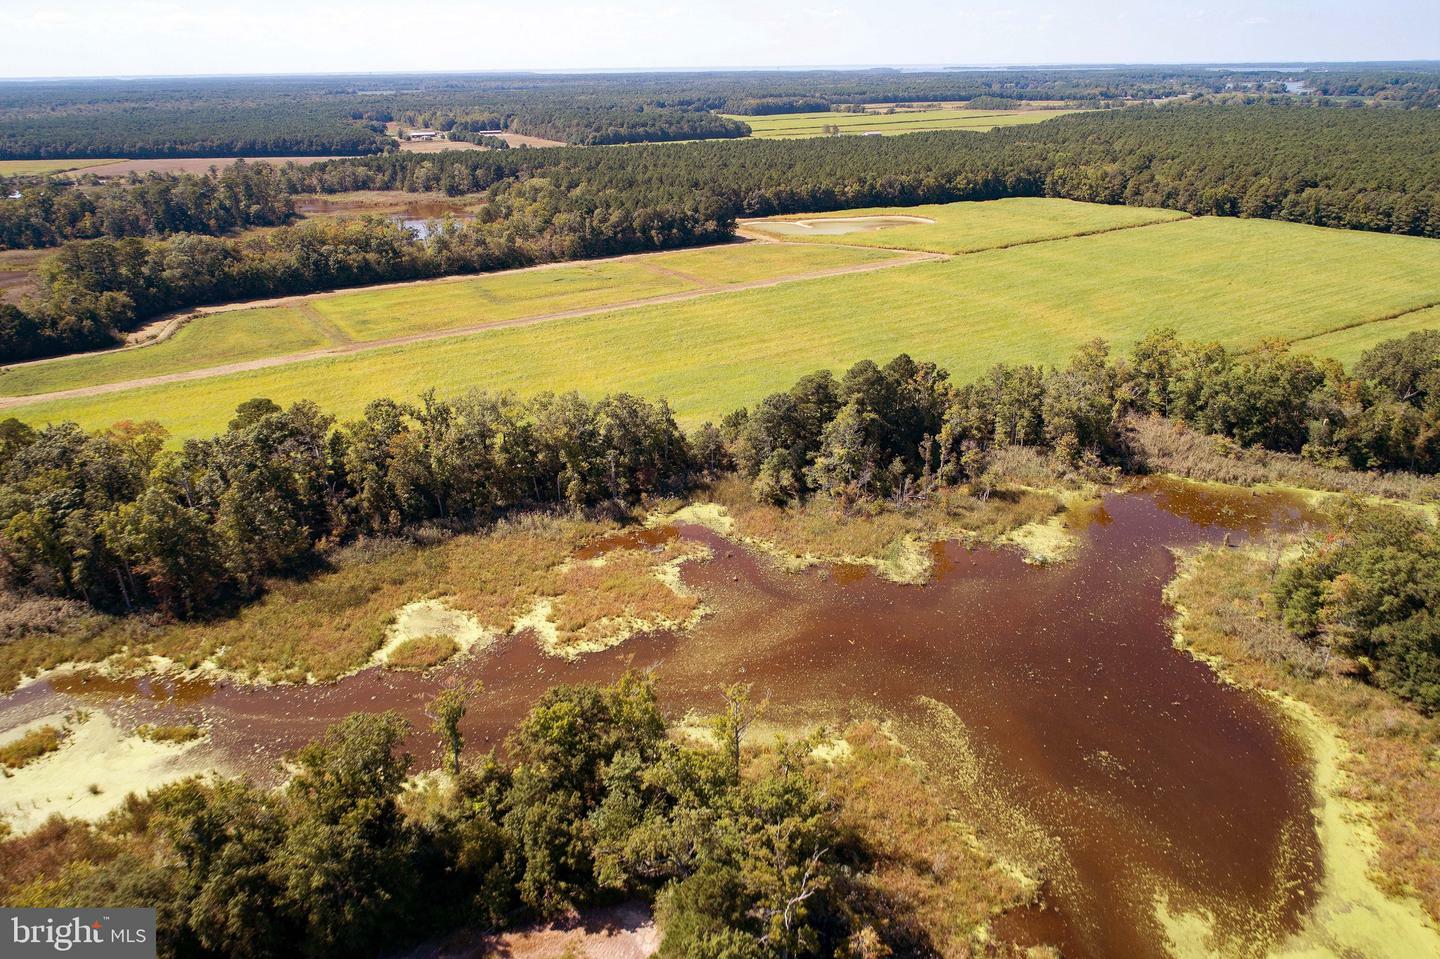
(963, 227)
(1348, 343)
(783, 125)
(1236, 281)
(307, 323)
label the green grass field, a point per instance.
(790, 125)
(24, 167)
(208, 341)
(1237, 281)
(1346, 344)
(968, 227)
(232, 337)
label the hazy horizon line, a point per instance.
(1241, 65)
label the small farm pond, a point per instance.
(1051, 695)
(837, 226)
(421, 217)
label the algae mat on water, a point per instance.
(1236, 281)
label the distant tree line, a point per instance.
(588, 123)
(220, 129)
(49, 213)
(644, 124)
(769, 106)
(93, 290)
(1407, 88)
(277, 116)
(1358, 169)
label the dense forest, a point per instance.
(205, 129)
(1358, 169)
(52, 212)
(585, 123)
(316, 116)
(118, 521)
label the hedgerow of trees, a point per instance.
(51, 213)
(904, 428)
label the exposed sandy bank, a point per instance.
(432, 617)
(97, 753)
(626, 931)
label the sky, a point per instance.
(152, 37)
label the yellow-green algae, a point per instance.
(1351, 915)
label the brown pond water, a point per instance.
(421, 217)
(1124, 767)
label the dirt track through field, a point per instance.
(161, 328)
(902, 258)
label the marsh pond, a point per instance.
(1049, 700)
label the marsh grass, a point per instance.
(38, 633)
(595, 602)
(31, 746)
(325, 626)
(36, 866)
(1228, 613)
(824, 529)
(1159, 445)
(321, 627)
(169, 734)
(421, 652)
